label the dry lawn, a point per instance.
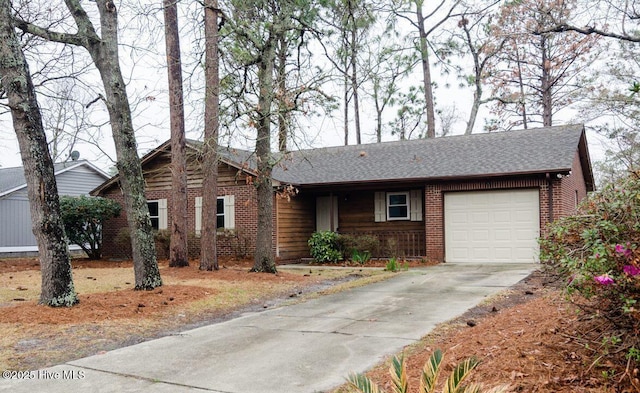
(111, 315)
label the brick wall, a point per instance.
(434, 206)
(245, 222)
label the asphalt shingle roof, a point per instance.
(12, 178)
(512, 152)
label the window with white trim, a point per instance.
(158, 213)
(397, 206)
(225, 213)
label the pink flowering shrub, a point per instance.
(598, 249)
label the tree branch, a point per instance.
(563, 28)
(47, 34)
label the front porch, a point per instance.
(393, 216)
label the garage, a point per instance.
(492, 226)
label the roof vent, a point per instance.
(74, 155)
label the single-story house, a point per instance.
(473, 198)
(16, 236)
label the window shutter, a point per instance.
(416, 205)
(162, 214)
(380, 206)
(198, 203)
(229, 212)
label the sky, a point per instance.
(146, 76)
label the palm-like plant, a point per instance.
(430, 373)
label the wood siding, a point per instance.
(157, 174)
(295, 224)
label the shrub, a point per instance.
(324, 247)
(162, 240)
(83, 217)
(360, 257)
(123, 241)
(598, 251)
(350, 244)
(429, 379)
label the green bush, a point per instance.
(162, 240)
(350, 244)
(598, 251)
(324, 247)
(83, 217)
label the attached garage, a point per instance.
(492, 226)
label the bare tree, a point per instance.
(482, 47)
(178, 250)
(413, 11)
(350, 21)
(55, 265)
(208, 241)
(103, 49)
(536, 75)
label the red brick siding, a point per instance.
(245, 221)
(434, 206)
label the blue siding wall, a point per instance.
(15, 216)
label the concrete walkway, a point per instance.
(304, 348)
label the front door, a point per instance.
(327, 213)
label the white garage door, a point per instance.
(492, 226)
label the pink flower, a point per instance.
(622, 250)
(631, 270)
(604, 279)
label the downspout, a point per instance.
(550, 196)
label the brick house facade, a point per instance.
(353, 189)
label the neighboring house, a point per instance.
(476, 198)
(16, 236)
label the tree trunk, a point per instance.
(57, 283)
(523, 102)
(546, 85)
(346, 109)
(283, 111)
(264, 260)
(104, 53)
(178, 256)
(426, 75)
(354, 72)
(208, 240)
(475, 107)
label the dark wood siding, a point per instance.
(157, 174)
(295, 224)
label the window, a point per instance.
(225, 215)
(158, 213)
(153, 213)
(220, 213)
(397, 206)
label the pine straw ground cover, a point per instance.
(111, 314)
(529, 337)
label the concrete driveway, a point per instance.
(303, 348)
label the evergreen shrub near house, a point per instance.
(598, 251)
(324, 247)
(358, 245)
(83, 217)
